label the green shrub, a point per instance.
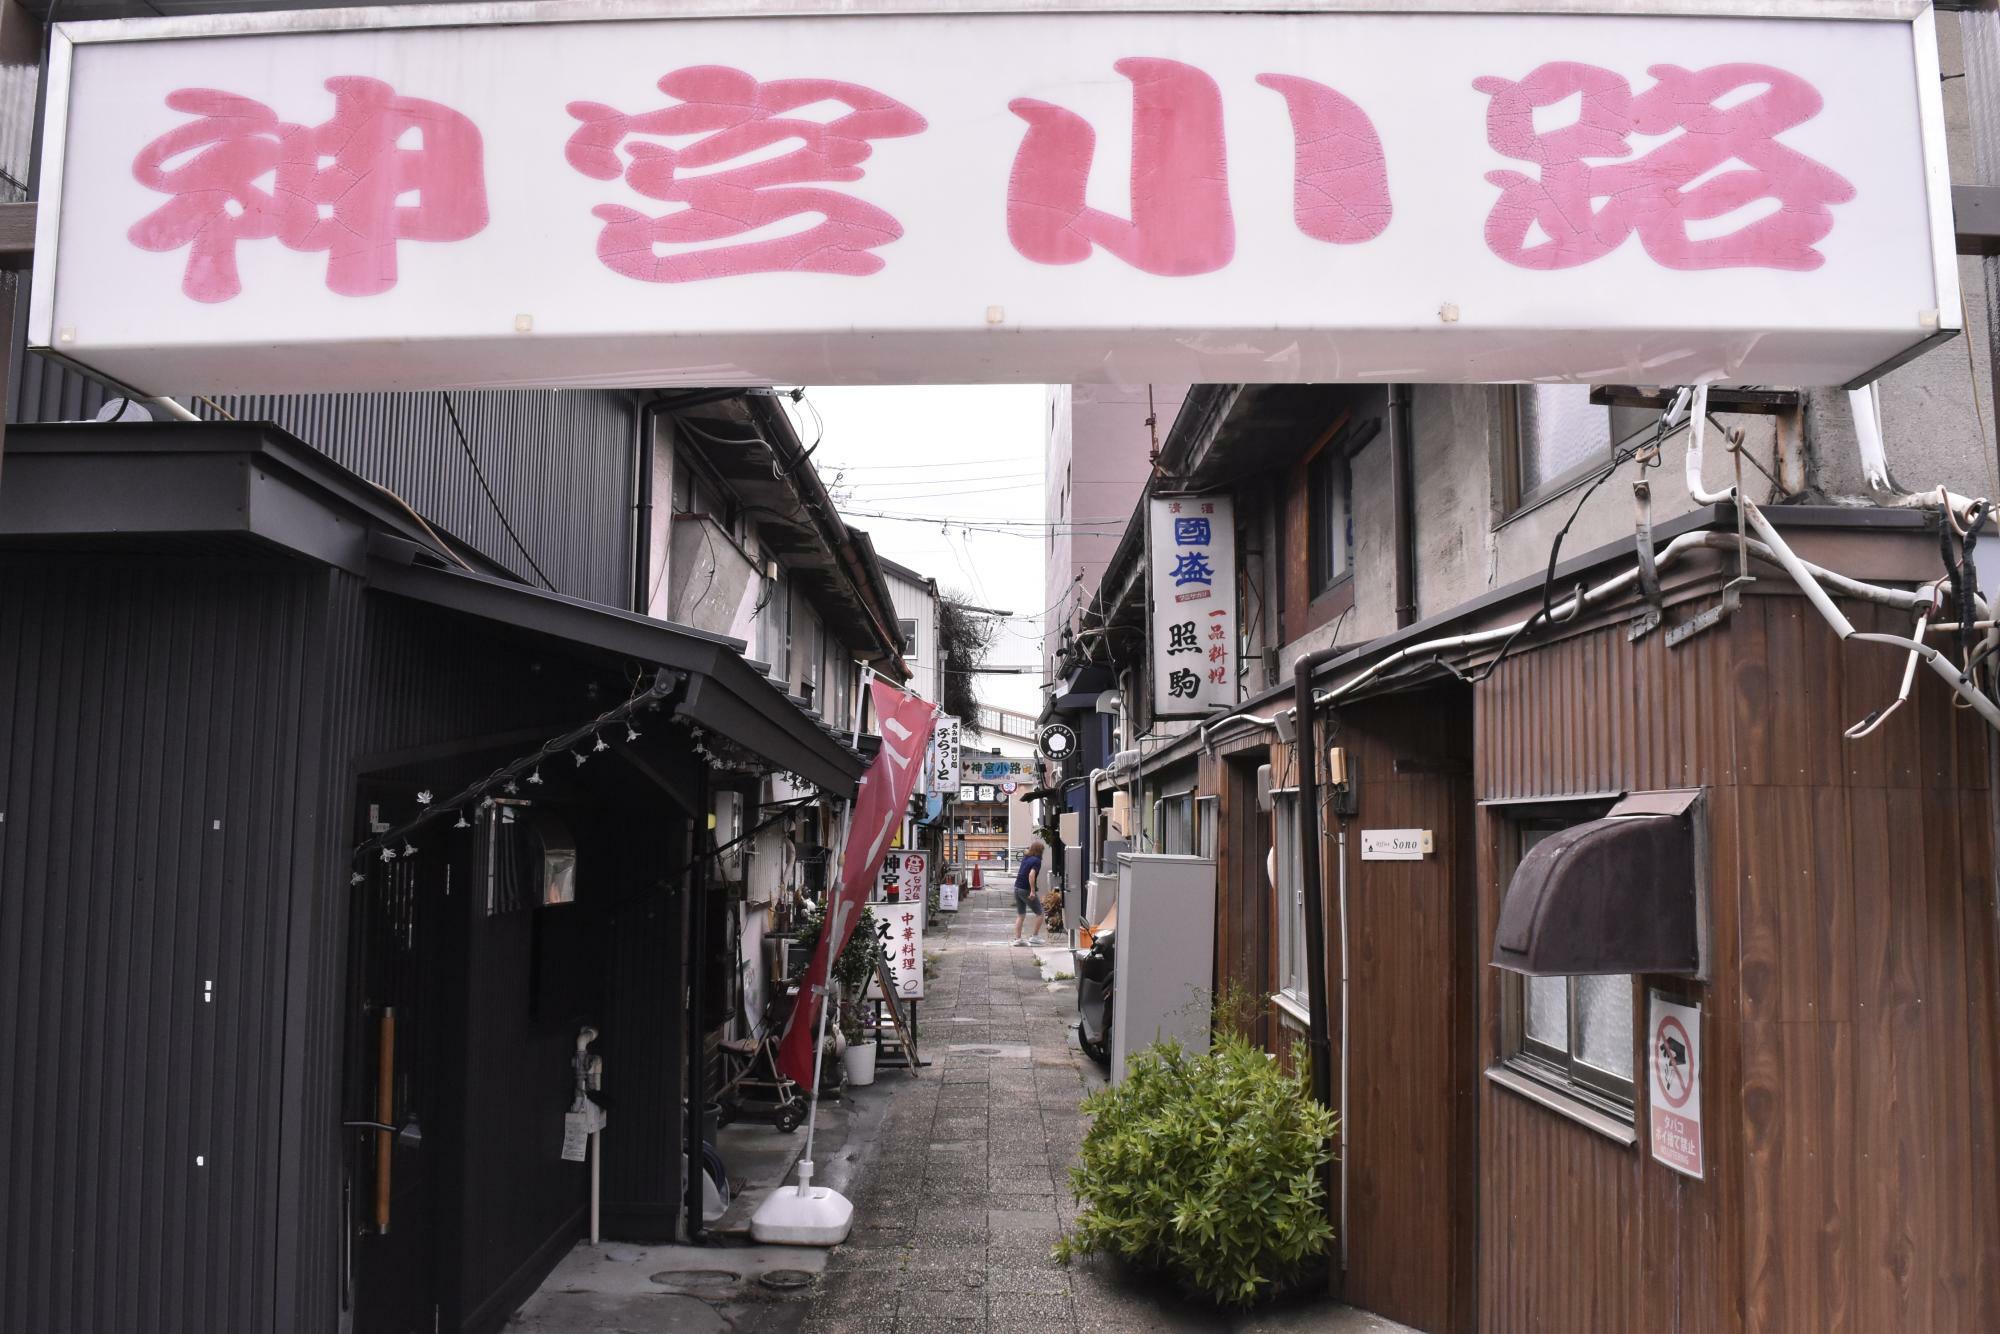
(1206, 1167)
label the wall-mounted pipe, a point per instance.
(1319, 1045)
(1402, 487)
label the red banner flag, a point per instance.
(878, 808)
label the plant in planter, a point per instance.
(1206, 1167)
(853, 967)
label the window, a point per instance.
(1555, 436)
(1205, 816)
(1293, 968)
(1174, 818)
(1574, 1034)
(909, 629)
(1329, 520)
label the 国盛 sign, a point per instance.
(494, 195)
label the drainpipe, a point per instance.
(697, 1092)
(1318, 1043)
(1403, 490)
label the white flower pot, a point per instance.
(859, 1062)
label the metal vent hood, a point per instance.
(1624, 894)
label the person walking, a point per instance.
(1028, 895)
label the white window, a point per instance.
(1174, 819)
(1573, 1033)
(908, 625)
(1206, 811)
(1556, 436)
(1293, 967)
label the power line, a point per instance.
(493, 500)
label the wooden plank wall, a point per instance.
(1849, 1076)
(1411, 1073)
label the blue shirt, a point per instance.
(1029, 865)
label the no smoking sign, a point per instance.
(1673, 1064)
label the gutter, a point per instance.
(776, 427)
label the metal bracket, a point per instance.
(1648, 620)
(1732, 601)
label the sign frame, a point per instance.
(1674, 1117)
(515, 362)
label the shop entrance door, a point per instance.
(396, 1074)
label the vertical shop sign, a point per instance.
(906, 952)
(904, 876)
(944, 777)
(1673, 1064)
(1191, 556)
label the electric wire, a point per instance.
(452, 412)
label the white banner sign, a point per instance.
(1191, 555)
(1673, 1083)
(904, 877)
(945, 753)
(514, 194)
(906, 951)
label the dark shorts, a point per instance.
(1024, 902)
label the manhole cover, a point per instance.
(697, 1280)
(786, 1280)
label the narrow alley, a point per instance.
(966, 1189)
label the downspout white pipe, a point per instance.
(1345, 1106)
(173, 409)
(1866, 405)
(1812, 579)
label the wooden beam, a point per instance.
(1763, 402)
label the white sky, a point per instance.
(951, 456)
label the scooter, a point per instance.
(1094, 998)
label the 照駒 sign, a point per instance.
(1191, 567)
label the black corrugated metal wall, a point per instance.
(152, 724)
(559, 461)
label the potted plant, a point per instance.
(853, 968)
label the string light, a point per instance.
(479, 795)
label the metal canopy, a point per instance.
(725, 694)
(1617, 895)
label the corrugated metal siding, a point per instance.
(559, 462)
(150, 734)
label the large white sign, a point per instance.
(492, 195)
(1673, 1083)
(1191, 565)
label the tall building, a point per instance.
(1100, 444)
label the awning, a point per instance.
(1617, 895)
(725, 693)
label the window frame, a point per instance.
(1179, 806)
(1564, 1074)
(1289, 891)
(1207, 825)
(1320, 579)
(1514, 499)
(910, 634)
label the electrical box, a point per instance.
(1166, 954)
